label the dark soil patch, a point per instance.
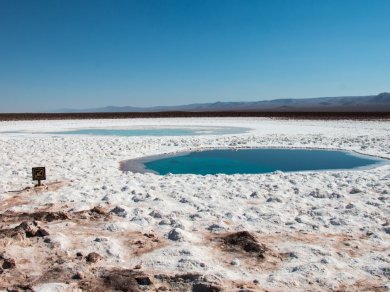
(18, 288)
(98, 210)
(37, 216)
(49, 216)
(95, 213)
(117, 280)
(245, 242)
(56, 273)
(126, 280)
(189, 282)
(23, 230)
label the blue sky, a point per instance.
(83, 54)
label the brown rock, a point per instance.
(143, 280)
(93, 257)
(32, 229)
(60, 261)
(9, 264)
(78, 276)
(99, 210)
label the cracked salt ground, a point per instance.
(322, 231)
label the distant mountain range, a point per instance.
(370, 103)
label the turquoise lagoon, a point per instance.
(251, 161)
(190, 131)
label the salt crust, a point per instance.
(308, 215)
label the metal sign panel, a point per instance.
(39, 173)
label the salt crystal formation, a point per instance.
(97, 228)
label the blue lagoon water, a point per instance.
(156, 131)
(251, 161)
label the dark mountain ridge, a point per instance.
(370, 103)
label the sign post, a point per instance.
(39, 173)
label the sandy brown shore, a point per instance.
(132, 115)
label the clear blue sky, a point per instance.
(83, 54)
